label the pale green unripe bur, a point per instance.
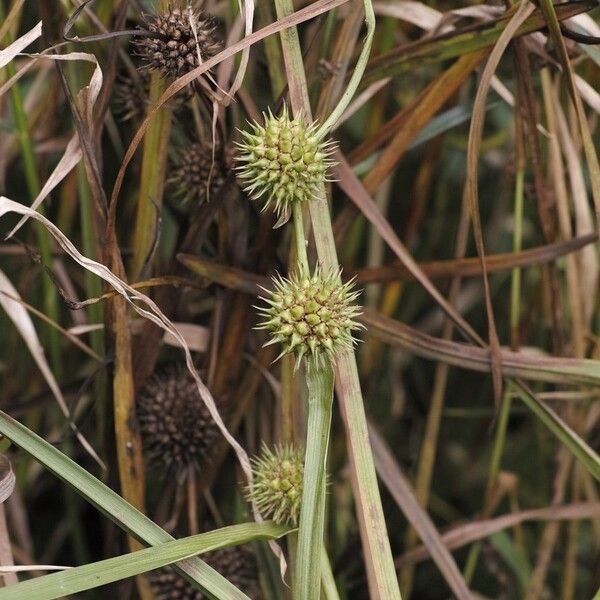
(283, 162)
(277, 484)
(312, 317)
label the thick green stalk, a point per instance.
(152, 178)
(378, 556)
(300, 239)
(307, 580)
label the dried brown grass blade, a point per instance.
(475, 135)
(551, 17)
(471, 267)
(230, 277)
(20, 44)
(353, 188)
(401, 491)
(461, 535)
(526, 365)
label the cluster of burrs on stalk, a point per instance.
(284, 162)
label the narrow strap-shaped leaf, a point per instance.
(567, 436)
(114, 507)
(107, 571)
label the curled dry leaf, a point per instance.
(20, 44)
(72, 154)
(7, 478)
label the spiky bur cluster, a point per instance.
(179, 40)
(237, 564)
(176, 427)
(311, 316)
(132, 94)
(197, 174)
(283, 161)
(277, 484)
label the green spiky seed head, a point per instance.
(277, 484)
(311, 316)
(283, 161)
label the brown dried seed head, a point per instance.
(237, 564)
(197, 175)
(132, 94)
(176, 427)
(181, 39)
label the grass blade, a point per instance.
(92, 575)
(113, 506)
(400, 489)
(569, 438)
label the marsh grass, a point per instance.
(465, 200)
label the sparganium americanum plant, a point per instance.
(285, 161)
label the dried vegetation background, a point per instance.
(464, 199)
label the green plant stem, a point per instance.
(307, 581)
(300, 239)
(498, 448)
(330, 591)
(357, 74)
(264, 12)
(152, 180)
(92, 284)
(515, 282)
(381, 571)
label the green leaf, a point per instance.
(513, 556)
(307, 580)
(114, 507)
(576, 445)
(71, 581)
